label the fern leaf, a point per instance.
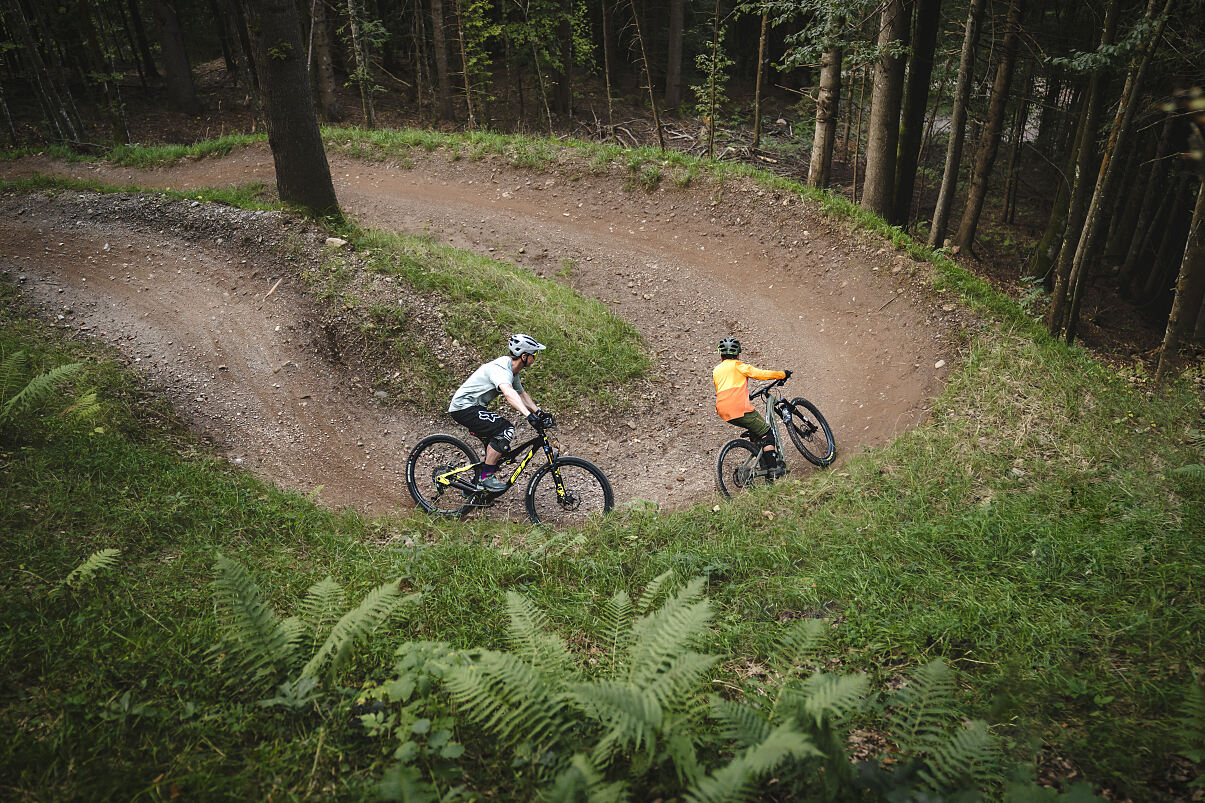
(84, 408)
(1194, 471)
(95, 563)
(829, 697)
(629, 717)
(924, 708)
(377, 606)
(320, 608)
(509, 698)
(528, 636)
(38, 389)
(581, 780)
(740, 722)
(257, 646)
(617, 627)
(1191, 731)
(798, 642)
(14, 374)
(968, 759)
(733, 781)
(659, 637)
(680, 679)
(652, 591)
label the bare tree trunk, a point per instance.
(1154, 191)
(858, 134)
(1094, 223)
(989, 142)
(303, 176)
(58, 106)
(821, 163)
(1190, 289)
(606, 32)
(563, 79)
(886, 94)
(916, 98)
(464, 69)
(177, 71)
(761, 60)
(324, 70)
(648, 76)
(1016, 140)
(363, 68)
(1047, 251)
(144, 49)
(962, 94)
(442, 80)
(673, 63)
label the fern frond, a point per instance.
(677, 684)
(679, 746)
(1194, 471)
(84, 408)
(740, 722)
(509, 698)
(617, 627)
(258, 647)
(628, 716)
(796, 643)
(581, 780)
(924, 708)
(662, 635)
(355, 625)
(95, 563)
(320, 608)
(528, 636)
(733, 782)
(652, 591)
(38, 389)
(1191, 731)
(14, 374)
(829, 697)
(968, 759)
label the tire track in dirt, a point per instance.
(685, 266)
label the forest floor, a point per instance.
(183, 290)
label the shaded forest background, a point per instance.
(1055, 147)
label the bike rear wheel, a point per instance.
(587, 493)
(427, 474)
(738, 468)
(808, 430)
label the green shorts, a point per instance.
(753, 422)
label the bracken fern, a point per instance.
(97, 562)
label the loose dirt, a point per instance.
(206, 300)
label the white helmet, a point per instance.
(521, 344)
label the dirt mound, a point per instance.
(206, 300)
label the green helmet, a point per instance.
(730, 347)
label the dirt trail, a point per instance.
(685, 266)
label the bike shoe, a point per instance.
(493, 484)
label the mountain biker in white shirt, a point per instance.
(471, 400)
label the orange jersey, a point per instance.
(732, 387)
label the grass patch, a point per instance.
(152, 155)
(252, 196)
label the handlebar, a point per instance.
(767, 388)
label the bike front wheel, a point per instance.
(738, 468)
(434, 464)
(583, 491)
(808, 430)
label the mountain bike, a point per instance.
(739, 465)
(442, 472)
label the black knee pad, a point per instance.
(501, 441)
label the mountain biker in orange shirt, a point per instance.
(731, 378)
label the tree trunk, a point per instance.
(1094, 223)
(58, 108)
(303, 176)
(673, 63)
(1047, 251)
(220, 28)
(363, 68)
(607, 55)
(176, 69)
(1155, 190)
(761, 58)
(443, 82)
(1017, 142)
(962, 94)
(564, 77)
(916, 100)
(888, 87)
(989, 142)
(648, 76)
(144, 49)
(821, 163)
(323, 69)
(1190, 288)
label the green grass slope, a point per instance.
(1038, 534)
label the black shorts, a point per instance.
(484, 424)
